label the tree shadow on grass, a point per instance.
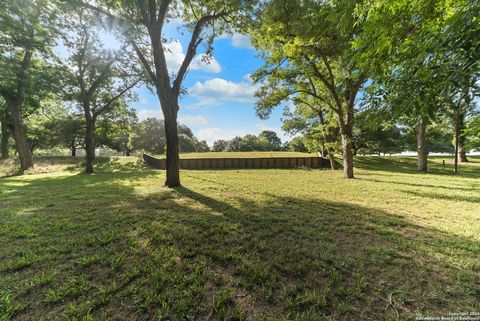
(407, 165)
(433, 186)
(449, 197)
(186, 254)
(352, 260)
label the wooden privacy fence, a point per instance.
(237, 163)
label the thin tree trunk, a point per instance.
(332, 160)
(20, 136)
(457, 135)
(90, 144)
(173, 157)
(422, 152)
(346, 131)
(328, 140)
(73, 149)
(5, 138)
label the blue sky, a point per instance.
(220, 102)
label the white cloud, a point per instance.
(248, 77)
(192, 120)
(201, 62)
(217, 90)
(238, 40)
(241, 41)
(174, 56)
(149, 113)
(144, 101)
(213, 133)
(260, 127)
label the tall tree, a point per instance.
(151, 136)
(142, 23)
(117, 129)
(421, 52)
(310, 42)
(472, 132)
(99, 78)
(27, 32)
(69, 132)
(5, 131)
(272, 138)
(316, 122)
(219, 145)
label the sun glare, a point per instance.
(109, 40)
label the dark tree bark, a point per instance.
(346, 131)
(347, 146)
(19, 133)
(89, 143)
(5, 138)
(422, 151)
(170, 111)
(73, 149)
(14, 106)
(460, 146)
(173, 158)
(457, 135)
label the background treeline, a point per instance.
(118, 132)
(387, 138)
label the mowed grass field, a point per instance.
(241, 155)
(241, 244)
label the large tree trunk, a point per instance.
(422, 151)
(5, 138)
(90, 143)
(173, 157)
(169, 104)
(461, 153)
(20, 136)
(347, 147)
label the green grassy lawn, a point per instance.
(240, 244)
(242, 155)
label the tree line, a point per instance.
(352, 75)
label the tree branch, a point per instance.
(107, 105)
(192, 48)
(144, 61)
